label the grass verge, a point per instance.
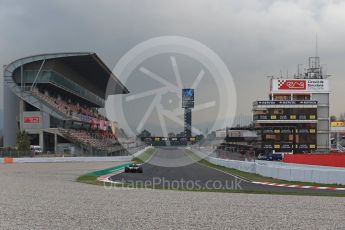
(91, 178)
(145, 156)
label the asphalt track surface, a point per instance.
(164, 170)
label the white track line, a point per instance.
(299, 186)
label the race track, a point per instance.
(172, 167)
(47, 196)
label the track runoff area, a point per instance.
(173, 168)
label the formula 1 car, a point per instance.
(134, 168)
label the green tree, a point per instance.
(199, 137)
(144, 133)
(23, 141)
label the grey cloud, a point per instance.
(254, 38)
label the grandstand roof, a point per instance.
(86, 64)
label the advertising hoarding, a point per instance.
(300, 85)
(32, 120)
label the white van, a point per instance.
(36, 149)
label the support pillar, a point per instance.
(41, 140)
(188, 122)
(55, 142)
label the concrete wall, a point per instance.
(283, 171)
(323, 135)
(32, 125)
(11, 116)
(75, 159)
(69, 159)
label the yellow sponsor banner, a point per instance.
(312, 130)
(293, 117)
(277, 131)
(312, 146)
(312, 117)
(338, 123)
(277, 146)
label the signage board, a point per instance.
(311, 117)
(32, 120)
(288, 146)
(306, 102)
(159, 139)
(188, 98)
(338, 124)
(299, 85)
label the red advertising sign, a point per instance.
(299, 85)
(292, 85)
(32, 120)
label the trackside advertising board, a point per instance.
(299, 85)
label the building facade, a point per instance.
(296, 118)
(56, 99)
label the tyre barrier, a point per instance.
(8, 160)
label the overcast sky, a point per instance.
(254, 38)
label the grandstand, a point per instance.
(56, 98)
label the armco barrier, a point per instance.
(333, 159)
(283, 171)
